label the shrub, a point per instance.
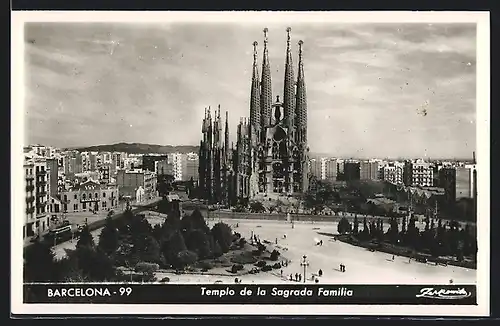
(243, 259)
(242, 243)
(236, 267)
(275, 255)
(261, 263)
(205, 265)
(256, 252)
(266, 268)
(146, 268)
(277, 266)
(165, 280)
(185, 258)
(261, 247)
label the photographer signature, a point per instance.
(433, 293)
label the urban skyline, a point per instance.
(390, 84)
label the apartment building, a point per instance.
(418, 173)
(328, 169)
(137, 181)
(89, 196)
(37, 189)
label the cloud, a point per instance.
(367, 84)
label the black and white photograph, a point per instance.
(250, 159)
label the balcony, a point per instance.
(42, 193)
(30, 210)
(30, 177)
(30, 199)
(41, 203)
(30, 188)
(41, 172)
(42, 181)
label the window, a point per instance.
(103, 194)
(84, 205)
(96, 195)
(75, 207)
(84, 196)
(104, 204)
(90, 195)
(65, 197)
(75, 196)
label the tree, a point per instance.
(356, 224)
(257, 207)
(39, 265)
(275, 255)
(403, 226)
(393, 231)
(91, 265)
(109, 238)
(198, 242)
(173, 221)
(186, 258)
(344, 226)
(86, 239)
(195, 221)
(413, 233)
(148, 250)
(172, 246)
(222, 234)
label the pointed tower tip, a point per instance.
(227, 116)
(266, 30)
(300, 49)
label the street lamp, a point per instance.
(304, 264)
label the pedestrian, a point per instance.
(320, 272)
(291, 278)
(300, 277)
(281, 273)
(276, 240)
(392, 257)
(296, 276)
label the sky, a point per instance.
(373, 90)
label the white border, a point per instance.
(483, 152)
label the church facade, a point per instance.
(271, 152)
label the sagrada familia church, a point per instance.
(271, 153)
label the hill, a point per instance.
(138, 148)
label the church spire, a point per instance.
(289, 87)
(266, 90)
(255, 91)
(226, 140)
(301, 100)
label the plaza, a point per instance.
(362, 265)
